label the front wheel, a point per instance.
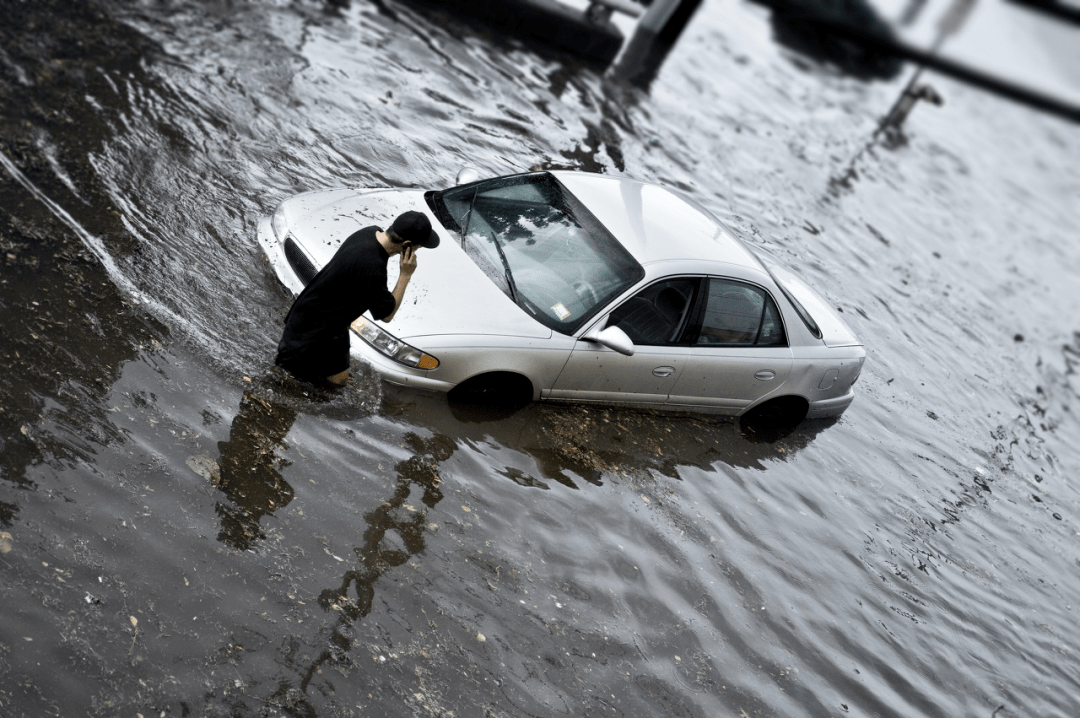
(499, 388)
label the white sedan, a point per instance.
(568, 286)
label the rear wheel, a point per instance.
(775, 418)
(500, 388)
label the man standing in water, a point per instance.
(315, 344)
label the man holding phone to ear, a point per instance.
(315, 344)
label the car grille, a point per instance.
(299, 261)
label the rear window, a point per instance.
(799, 309)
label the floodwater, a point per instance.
(184, 531)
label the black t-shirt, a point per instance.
(316, 336)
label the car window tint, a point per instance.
(657, 314)
(738, 314)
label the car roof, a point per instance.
(655, 223)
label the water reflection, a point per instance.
(250, 461)
(395, 532)
(645, 52)
(584, 448)
(249, 469)
(188, 154)
(575, 446)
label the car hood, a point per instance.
(448, 293)
(834, 331)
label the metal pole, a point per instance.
(657, 15)
(950, 24)
(656, 27)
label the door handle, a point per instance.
(663, 371)
(765, 375)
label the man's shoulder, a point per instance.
(361, 243)
(361, 237)
(361, 251)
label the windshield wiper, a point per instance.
(506, 265)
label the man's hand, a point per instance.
(408, 266)
(408, 261)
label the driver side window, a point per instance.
(657, 314)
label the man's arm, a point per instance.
(408, 266)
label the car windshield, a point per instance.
(540, 245)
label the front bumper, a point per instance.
(394, 372)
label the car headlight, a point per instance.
(279, 224)
(391, 346)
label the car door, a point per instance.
(738, 351)
(655, 319)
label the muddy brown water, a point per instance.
(185, 532)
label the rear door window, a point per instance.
(739, 314)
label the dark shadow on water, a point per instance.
(468, 413)
(574, 441)
(797, 25)
(758, 430)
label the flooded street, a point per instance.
(186, 531)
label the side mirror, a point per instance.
(613, 338)
(466, 175)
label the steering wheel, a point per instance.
(584, 290)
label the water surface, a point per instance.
(184, 531)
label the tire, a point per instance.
(499, 388)
(774, 419)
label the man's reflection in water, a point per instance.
(250, 469)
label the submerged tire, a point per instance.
(775, 418)
(501, 388)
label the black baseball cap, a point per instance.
(416, 228)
